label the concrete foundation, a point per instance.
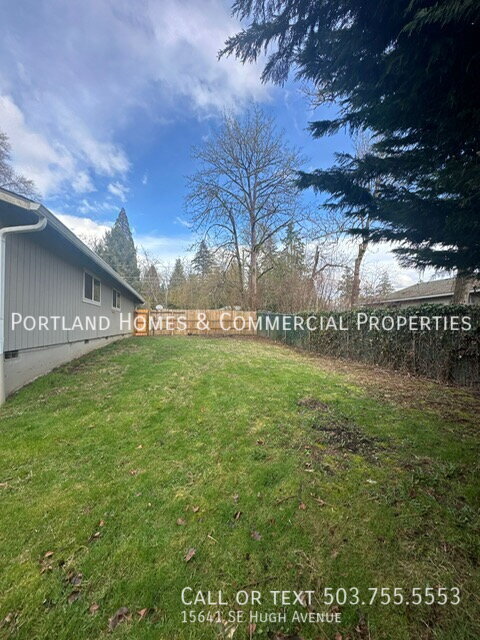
(33, 363)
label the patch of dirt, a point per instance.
(342, 435)
(312, 403)
(339, 434)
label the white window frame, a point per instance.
(88, 300)
(119, 298)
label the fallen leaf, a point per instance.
(195, 509)
(181, 522)
(362, 628)
(74, 596)
(101, 523)
(140, 446)
(142, 613)
(93, 608)
(49, 554)
(260, 442)
(371, 481)
(235, 498)
(8, 619)
(75, 579)
(255, 535)
(133, 472)
(338, 636)
(119, 616)
(230, 630)
(95, 536)
(251, 629)
(237, 515)
(302, 506)
(45, 567)
(189, 555)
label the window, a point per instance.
(116, 299)
(91, 288)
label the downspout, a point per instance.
(26, 228)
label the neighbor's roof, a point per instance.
(432, 289)
(19, 204)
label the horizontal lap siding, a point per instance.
(40, 283)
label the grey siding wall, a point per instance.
(37, 362)
(41, 283)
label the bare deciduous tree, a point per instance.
(9, 179)
(244, 192)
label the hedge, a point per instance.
(442, 354)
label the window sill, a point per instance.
(96, 304)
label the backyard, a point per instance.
(157, 464)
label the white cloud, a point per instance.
(118, 190)
(86, 229)
(82, 183)
(165, 248)
(98, 208)
(32, 153)
(183, 222)
(56, 164)
(381, 257)
(145, 179)
(69, 91)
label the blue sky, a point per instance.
(103, 100)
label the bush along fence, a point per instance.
(436, 341)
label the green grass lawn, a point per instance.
(281, 474)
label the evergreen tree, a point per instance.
(203, 261)
(177, 279)
(408, 72)
(118, 249)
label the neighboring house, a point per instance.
(46, 271)
(435, 292)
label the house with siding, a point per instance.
(433, 292)
(58, 299)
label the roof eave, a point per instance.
(72, 238)
(31, 205)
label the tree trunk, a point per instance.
(362, 248)
(253, 280)
(460, 291)
(241, 287)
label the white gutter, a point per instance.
(26, 228)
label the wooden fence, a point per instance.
(194, 322)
